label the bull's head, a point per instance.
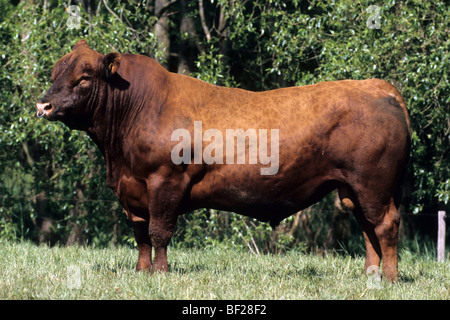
(78, 79)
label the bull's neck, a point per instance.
(136, 98)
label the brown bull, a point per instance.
(171, 145)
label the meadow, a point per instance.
(28, 271)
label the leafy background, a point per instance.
(53, 185)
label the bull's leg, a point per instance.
(160, 231)
(373, 251)
(164, 203)
(387, 233)
(144, 246)
(380, 228)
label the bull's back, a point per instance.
(221, 107)
(304, 116)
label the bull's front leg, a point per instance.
(144, 245)
(164, 204)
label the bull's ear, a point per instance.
(80, 43)
(112, 63)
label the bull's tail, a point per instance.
(398, 193)
(393, 92)
(402, 103)
(396, 100)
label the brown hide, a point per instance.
(350, 135)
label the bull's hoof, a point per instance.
(143, 266)
(159, 268)
(390, 273)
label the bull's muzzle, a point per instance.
(43, 108)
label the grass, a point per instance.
(28, 271)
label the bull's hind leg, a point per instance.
(373, 251)
(387, 233)
(380, 228)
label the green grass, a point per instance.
(28, 271)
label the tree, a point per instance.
(162, 28)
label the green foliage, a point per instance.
(211, 227)
(49, 172)
(212, 69)
(304, 232)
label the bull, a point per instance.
(353, 136)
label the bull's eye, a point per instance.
(83, 81)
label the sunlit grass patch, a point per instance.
(218, 273)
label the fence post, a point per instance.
(441, 236)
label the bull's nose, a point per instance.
(43, 109)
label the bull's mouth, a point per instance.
(43, 109)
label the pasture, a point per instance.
(28, 271)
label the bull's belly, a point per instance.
(241, 189)
(270, 198)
